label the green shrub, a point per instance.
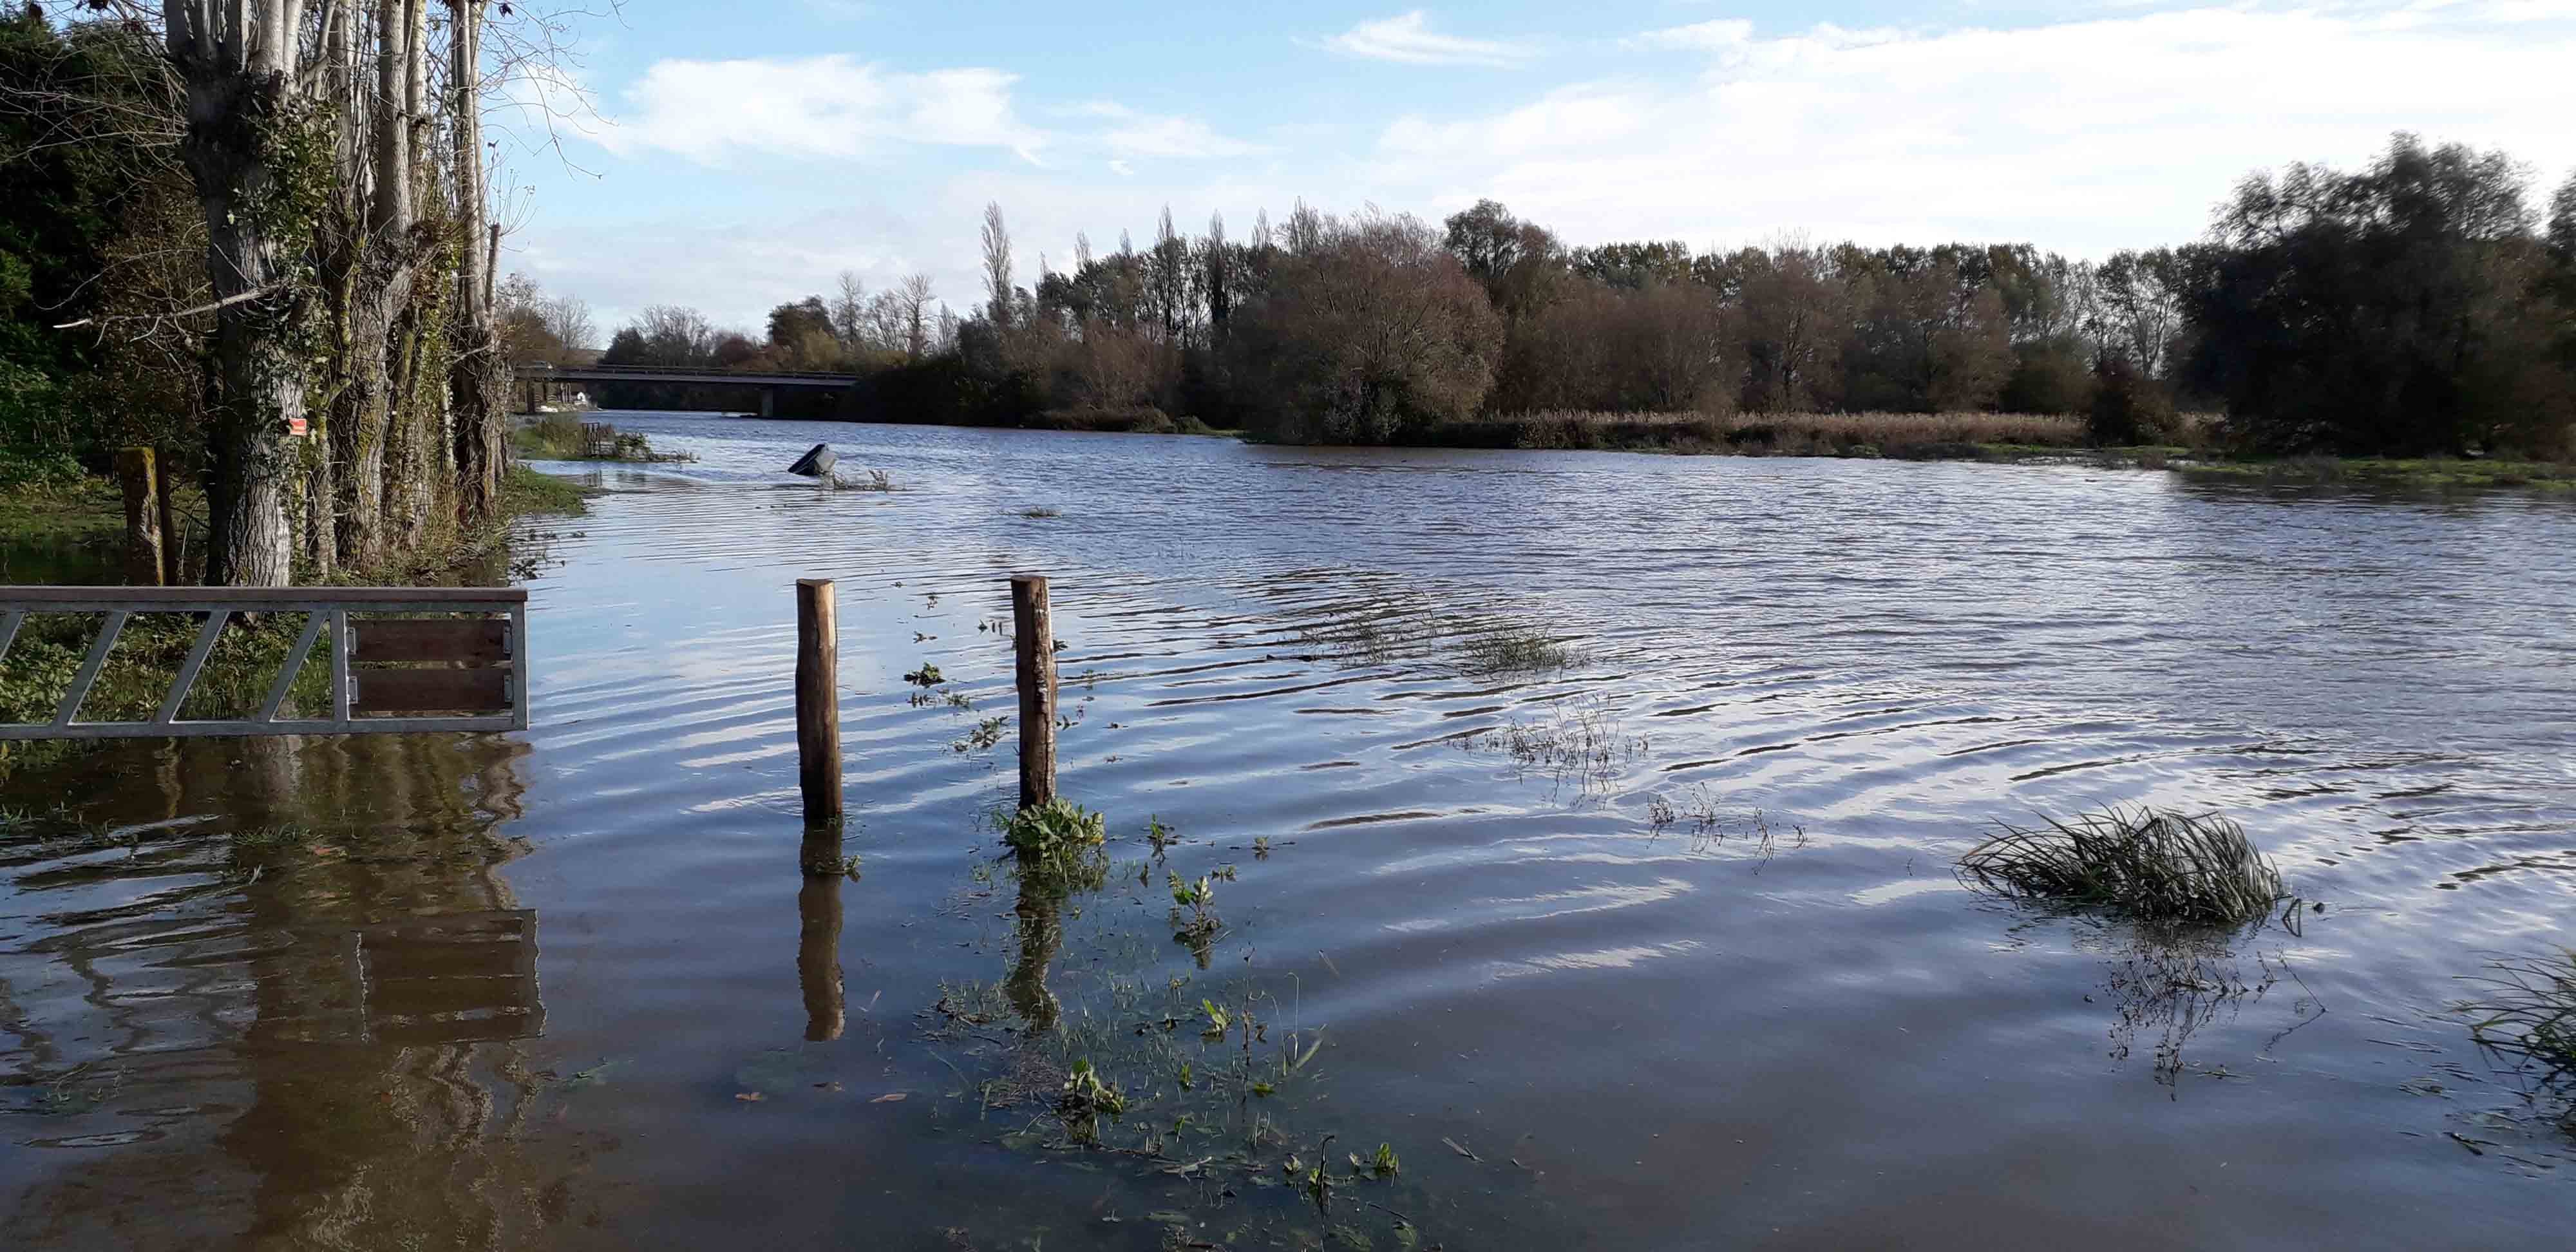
(2129, 408)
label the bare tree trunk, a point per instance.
(369, 401)
(238, 61)
(479, 379)
(416, 446)
(340, 246)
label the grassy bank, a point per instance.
(1145, 420)
(1911, 435)
(526, 493)
(82, 510)
(2001, 437)
(90, 512)
(2391, 471)
(561, 437)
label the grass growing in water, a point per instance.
(2156, 867)
(875, 481)
(524, 490)
(2526, 1013)
(1512, 649)
(1583, 743)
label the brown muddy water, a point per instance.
(1686, 969)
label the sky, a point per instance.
(734, 156)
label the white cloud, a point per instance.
(2085, 136)
(1134, 134)
(1408, 38)
(1725, 32)
(822, 106)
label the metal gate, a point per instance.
(421, 659)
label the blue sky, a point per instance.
(733, 157)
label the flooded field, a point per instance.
(1580, 827)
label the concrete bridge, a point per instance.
(551, 377)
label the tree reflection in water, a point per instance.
(311, 1009)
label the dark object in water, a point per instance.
(817, 462)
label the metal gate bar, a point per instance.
(323, 608)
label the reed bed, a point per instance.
(2156, 867)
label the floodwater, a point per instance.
(1688, 969)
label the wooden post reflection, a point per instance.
(818, 935)
(1041, 936)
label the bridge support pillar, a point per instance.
(769, 402)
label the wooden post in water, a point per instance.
(1033, 639)
(818, 699)
(142, 517)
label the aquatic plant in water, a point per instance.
(1198, 926)
(2526, 1013)
(1516, 650)
(2152, 866)
(986, 733)
(1056, 828)
(1086, 1098)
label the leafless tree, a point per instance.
(911, 323)
(479, 378)
(997, 265)
(1217, 261)
(568, 319)
(850, 311)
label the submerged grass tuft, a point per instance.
(876, 480)
(1516, 650)
(2526, 1013)
(2153, 866)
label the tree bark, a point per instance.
(237, 59)
(478, 379)
(370, 400)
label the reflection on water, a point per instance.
(1041, 937)
(1657, 949)
(287, 980)
(818, 937)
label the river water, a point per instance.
(1688, 968)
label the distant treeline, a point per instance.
(2415, 307)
